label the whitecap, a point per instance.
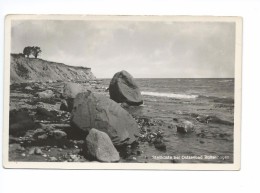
(170, 95)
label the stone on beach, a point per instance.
(64, 106)
(46, 94)
(44, 113)
(92, 110)
(100, 147)
(123, 88)
(20, 122)
(58, 134)
(69, 92)
(185, 127)
(70, 89)
(28, 88)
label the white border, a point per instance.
(150, 166)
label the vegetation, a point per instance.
(32, 50)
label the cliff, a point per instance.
(35, 70)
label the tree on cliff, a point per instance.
(27, 51)
(36, 51)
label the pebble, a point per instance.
(31, 151)
(160, 146)
(21, 148)
(23, 154)
(38, 151)
(175, 119)
(43, 137)
(74, 157)
(44, 155)
(53, 159)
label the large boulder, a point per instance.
(92, 110)
(70, 89)
(123, 88)
(99, 146)
(69, 92)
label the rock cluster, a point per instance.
(92, 110)
(58, 121)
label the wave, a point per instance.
(226, 81)
(226, 100)
(170, 95)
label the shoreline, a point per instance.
(151, 130)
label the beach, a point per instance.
(206, 103)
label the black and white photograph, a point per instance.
(122, 92)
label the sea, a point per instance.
(174, 100)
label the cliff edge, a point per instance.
(35, 70)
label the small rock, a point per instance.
(175, 119)
(64, 106)
(160, 146)
(138, 152)
(58, 134)
(38, 151)
(28, 88)
(44, 155)
(43, 137)
(53, 159)
(31, 151)
(45, 94)
(185, 127)
(202, 135)
(23, 154)
(74, 157)
(22, 149)
(44, 112)
(47, 128)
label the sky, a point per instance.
(146, 49)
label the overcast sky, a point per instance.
(145, 49)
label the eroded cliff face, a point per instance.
(37, 70)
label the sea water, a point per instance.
(187, 99)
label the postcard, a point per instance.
(122, 92)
